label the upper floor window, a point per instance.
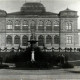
(17, 25)
(69, 26)
(9, 25)
(41, 26)
(48, 26)
(25, 25)
(56, 25)
(33, 25)
(69, 39)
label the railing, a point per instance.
(44, 49)
(62, 50)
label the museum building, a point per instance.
(51, 29)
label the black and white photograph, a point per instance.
(39, 39)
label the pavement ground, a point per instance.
(54, 74)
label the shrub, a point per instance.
(4, 66)
(67, 65)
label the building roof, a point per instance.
(68, 13)
(2, 13)
(20, 14)
(68, 10)
(36, 9)
(33, 7)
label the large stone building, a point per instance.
(51, 29)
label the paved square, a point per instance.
(54, 74)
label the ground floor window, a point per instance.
(9, 39)
(24, 40)
(48, 39)
(17, 40)
(40, 40)
(69, 39)
(56, 39)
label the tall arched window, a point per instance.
(25, 25)
(33, 25)
(48, 26)
(17, 25)
(56, 39)
(56, 25)
(48, 39)
(9, 39)
(17, 40)
(40, 40)
(41, 26)
(25, 40)
(9, 25)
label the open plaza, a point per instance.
(55, 74)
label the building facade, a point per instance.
(51, 29)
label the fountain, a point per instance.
(32, 45)
(33, 57)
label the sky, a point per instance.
(51, 5)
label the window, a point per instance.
(69, 26)
(9, 25)
(17, 25)
(40, 40)
(25, 40)
(25, 25)
(41, 26)
(33, 37)
(69, 39)
(9, 39)
(56, 39)
(56, 26)
(17, 40)
(48, 39)
(48, 26)
(33, 25)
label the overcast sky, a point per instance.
(51, 5)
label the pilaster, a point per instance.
(45, 26)
(29, 25)
(21, 36)
(37, 25)
(45, 40)
(21, 24)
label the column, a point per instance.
(37, 25)
(45, 26)
(13, 24)
(45, 40)
(21, 24)
(29, 25)
(13, 40)
(52, 40)
(29, 39)
(21, 39)
(37, 39)
(52, 26)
